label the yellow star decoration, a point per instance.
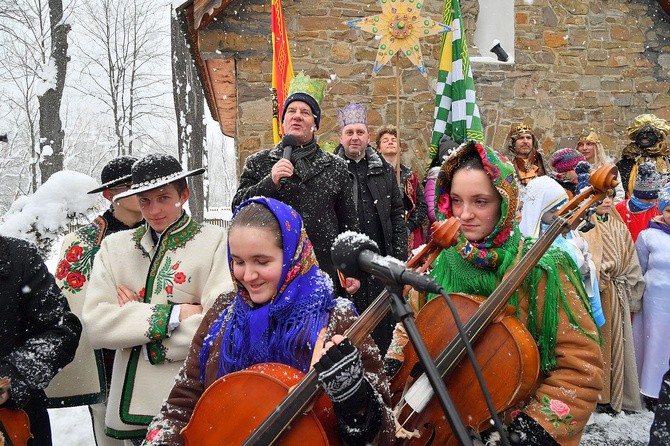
(399, 26)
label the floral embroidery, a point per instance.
(558, 414)
(151, 436)
(158, 322)
(74, 253)
(179, 277)
(158, 325)
(76, 267)
(157, 352)
(168, 275)
(75, 280)
(62, 270)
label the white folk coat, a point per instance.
(187, 265)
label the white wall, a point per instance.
(495, 21)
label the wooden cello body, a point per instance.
(503, 347)
(14, 423)
(507, 355)
(250, 396)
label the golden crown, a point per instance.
(589, 135)
(518, 129)
(352, 113)
(301, 83)
(650, 120)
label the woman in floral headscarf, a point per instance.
(283, 311)
(477, 185)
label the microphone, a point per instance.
(354, 253)
(287, 142)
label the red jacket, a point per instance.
(635, 222)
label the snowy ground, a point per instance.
(72, 427)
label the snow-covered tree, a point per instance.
(124, 55)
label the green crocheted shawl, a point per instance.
(456, 274)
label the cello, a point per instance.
(502, 345)
(14, 423)
(274, 403)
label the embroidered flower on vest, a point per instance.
(558, 414)
(168, 275)
(76, 267)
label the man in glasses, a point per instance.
(85, 380)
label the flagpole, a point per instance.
(397, 115)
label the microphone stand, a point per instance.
(403, 313)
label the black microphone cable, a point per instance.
(475, 366)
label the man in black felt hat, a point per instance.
(150, 288)
(84, 380)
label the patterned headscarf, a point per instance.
(480, 268)
(286, 329)
(500, 171)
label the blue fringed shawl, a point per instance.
(286, 329)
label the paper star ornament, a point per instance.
(399, 28)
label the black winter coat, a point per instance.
(388, 201)
(38, 333)
(323, 198)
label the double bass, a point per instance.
(503, 347)
(277, 404)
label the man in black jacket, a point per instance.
(378, 203)
(38, 333)
(313, 182)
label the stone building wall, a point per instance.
(578, 64)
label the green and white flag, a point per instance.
(456, 112)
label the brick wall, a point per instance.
(578, 64)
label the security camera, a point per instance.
(499, 51)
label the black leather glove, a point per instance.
(340, 372)
(524, 430)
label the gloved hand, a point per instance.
(523, 431)
(391, 366)
(340, 372)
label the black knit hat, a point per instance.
(307, 99)
(154, 171)
(115, 172)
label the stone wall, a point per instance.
(578, 64)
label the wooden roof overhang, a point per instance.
(217, 73)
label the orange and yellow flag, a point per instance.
(282, 68)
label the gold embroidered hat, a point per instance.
(310, 91)
(647, 119)
(352, 113)
(590, 136)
